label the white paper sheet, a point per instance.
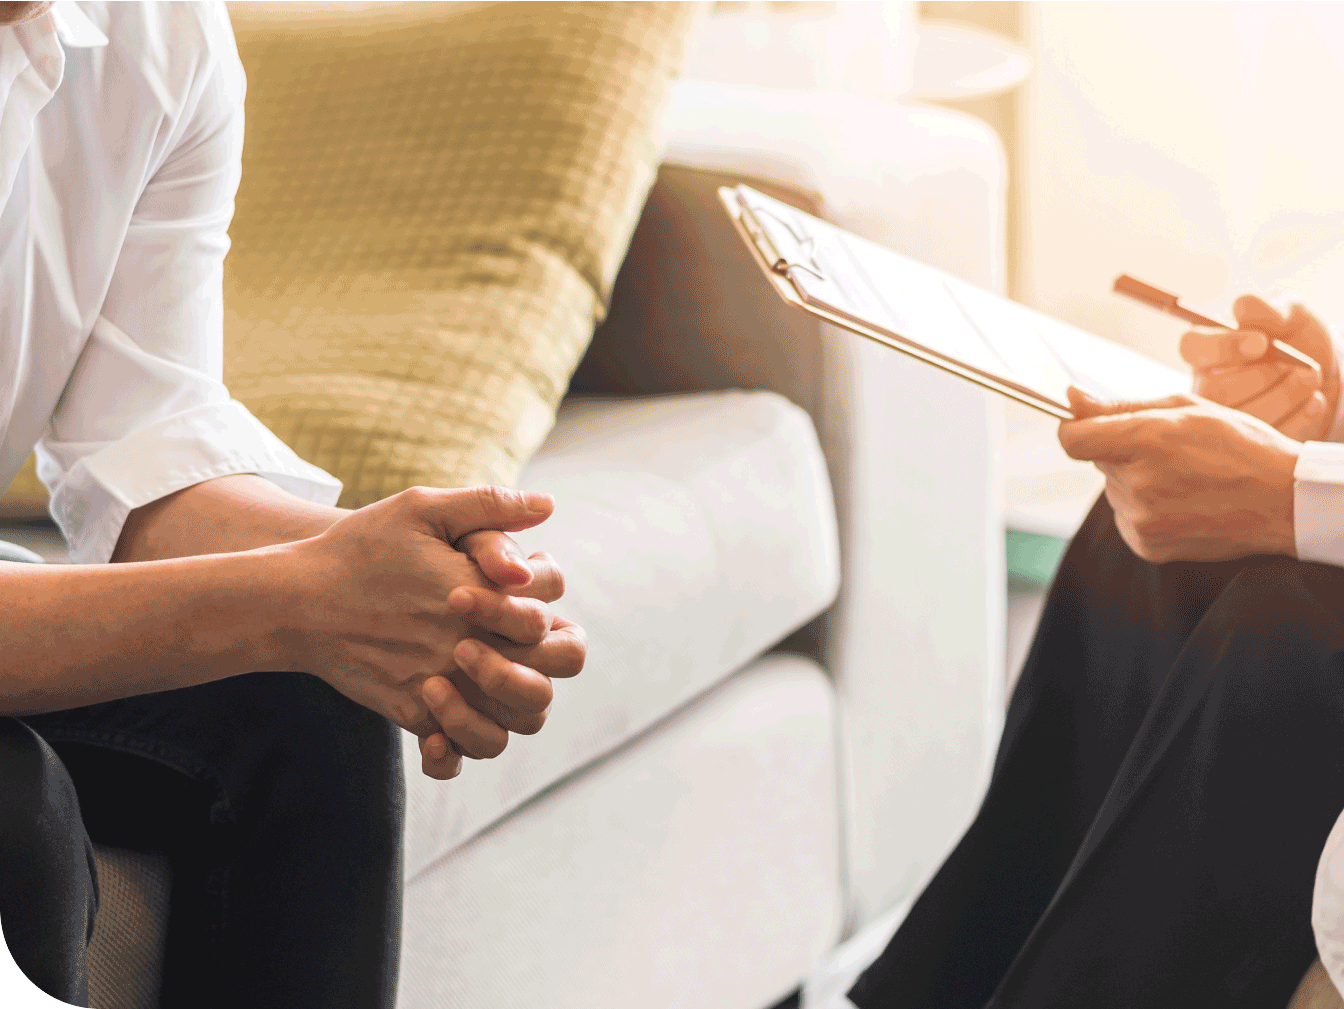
(999, 339)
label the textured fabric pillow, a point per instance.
(432, 212)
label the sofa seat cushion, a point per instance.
(694, 532)
(699, 866)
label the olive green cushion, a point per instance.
(432, 212)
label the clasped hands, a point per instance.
(1209, 476)
(422, 608)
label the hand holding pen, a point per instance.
(1279, 366)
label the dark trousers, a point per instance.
(1171, 765)
(280, 805)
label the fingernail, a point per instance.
(435, 691)
(462, 602)
(469, 650)
(1314, 406)
(1253, 345)
(516, 557)
(540, 502)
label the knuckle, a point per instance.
(537, 621)
(1136, 541)
(407, 713)
(414, 496)
(533, 724)
(453, 715)
(474, 542)
(1141, 483)
(570, 658)
(578, 657)
(1155, 550)
(1305, 379)
(1147, 526)
(439, 664)
(1192, 426)
(485, 606)
(499, 498)
(491, 676)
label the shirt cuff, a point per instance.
(91, 502)
(1318, 503)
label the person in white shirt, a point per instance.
(130, 704)
(1171, 763)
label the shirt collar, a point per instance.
(74, 28)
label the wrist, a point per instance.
(225, 515)
(283, 590)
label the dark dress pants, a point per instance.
(280, 805)
(1171, 765)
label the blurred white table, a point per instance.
(954, 62)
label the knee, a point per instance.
(1282, 608)
(329, 758)
(44, 849)
(1276, 638)
(37, 797)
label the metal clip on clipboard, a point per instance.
(769, 231)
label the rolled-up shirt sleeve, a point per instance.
(145, 411)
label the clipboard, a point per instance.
(935, 317)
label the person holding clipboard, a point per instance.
(1173, 756)
(1158, 825)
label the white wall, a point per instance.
(1199, 146)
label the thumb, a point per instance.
(1085, 405)
(1255, 313)
(454, 513)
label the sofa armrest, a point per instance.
(915, 640)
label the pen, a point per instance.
(1169, 303)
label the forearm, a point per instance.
(77, 635)
(226, 515)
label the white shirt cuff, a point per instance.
(91, 503)
(1318, 503)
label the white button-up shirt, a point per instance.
(121, 133)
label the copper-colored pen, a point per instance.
(1162, 301)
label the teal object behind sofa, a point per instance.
(1032, 559)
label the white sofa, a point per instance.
(706, 815)
(786, 546)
